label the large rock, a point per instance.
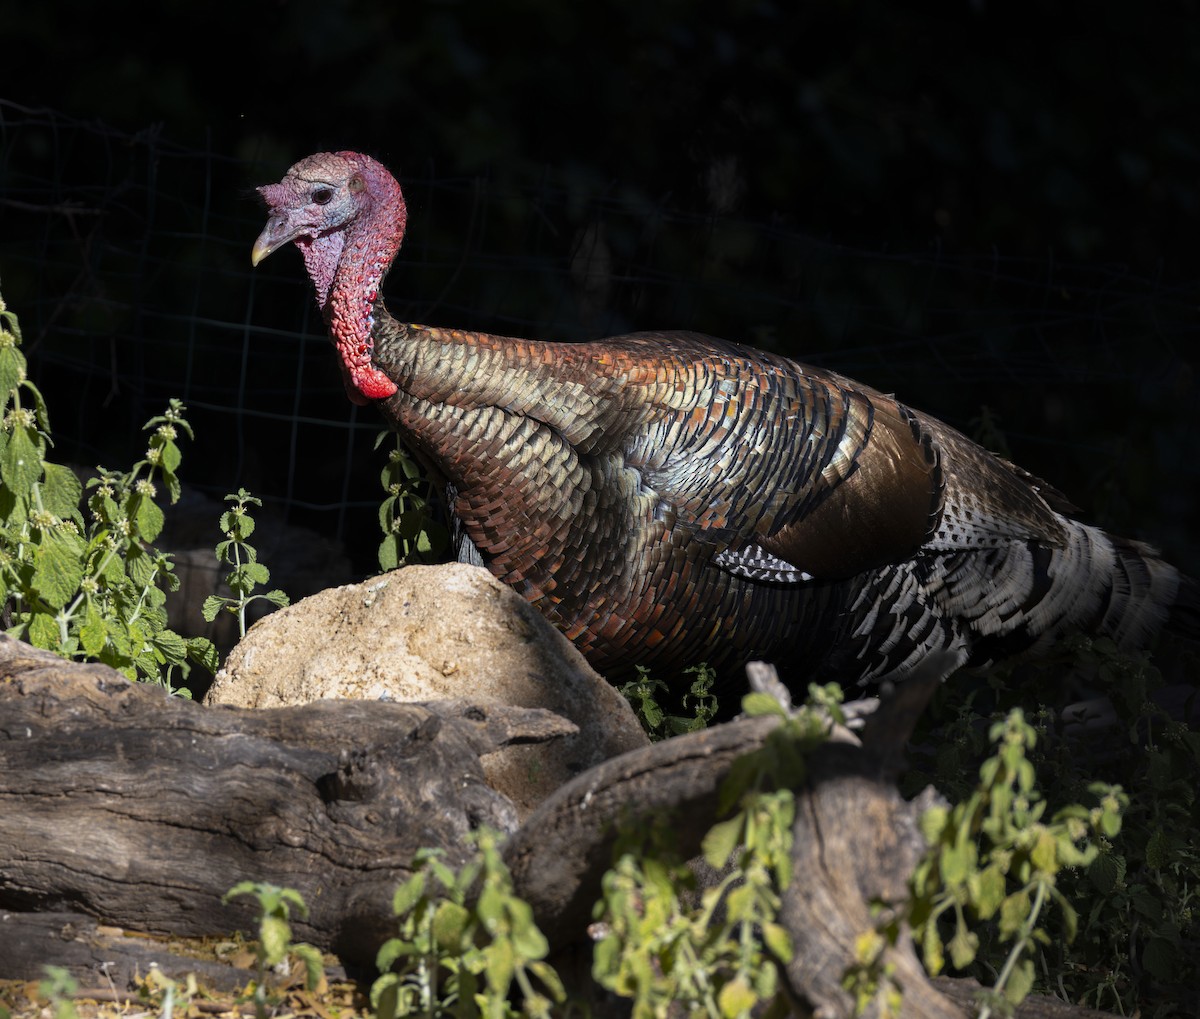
(427, 633)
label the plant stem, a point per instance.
(1018, 947)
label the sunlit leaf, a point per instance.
(58, 566)
(721, 840)
(21, 460)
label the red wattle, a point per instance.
(371, 382)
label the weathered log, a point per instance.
(142, 810)
(110, 956)
(126, 805)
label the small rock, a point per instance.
(426, 633)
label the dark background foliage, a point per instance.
(988, 208)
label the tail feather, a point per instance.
(1023, 597)
(1143, 591)
(1184, 618)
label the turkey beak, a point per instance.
(262, 248)
(274, 236)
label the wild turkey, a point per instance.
(668, 498)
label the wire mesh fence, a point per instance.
(127, 257)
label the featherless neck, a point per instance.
(368, 246)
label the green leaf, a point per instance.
(12, 370)
(385, 995)
(408, 894)
(212, 605)
(139, 566)
(1014, 911)
(40, 412)
(933, 823)
(721, 840)
(450, 924)
(1045, 852)
(254, 574)
(1110, 823)
(958, 861)
(274, 936)
(987, 889)
(314, 969)
(21, 461)
(1020, 982)
(501, 965)
(277, 597)
(527, 938)
(44, 632)
(58, 567)
(172, 646)
(739, 904)
(170, 457)
(105, 507)
(289, 896)
(963, 947)
(93, 633)
(439, 870)
(1105, 872)
(606, 961)
(202, 651)
(61, 492)
(490, 907)
(1146, 902)
(757, 704)
(1158, 847)
(1160, 958)
(13, 511)
(174, 489)
(389, 952)
(779, 941)
(736, 998)
(931, 948)
(149, 518)
(240, 524)
(389, 553)
(550, 979)
(530, 945)
(1070, 918)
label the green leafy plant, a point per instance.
(466, 942)
(722, 957)
(410, 532)
(698, 706)
(92, 589)
(275, 944)
(59, 988)
(1139, 940)
(995, 855)
(247, 573)
(1137, 944)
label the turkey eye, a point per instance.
(322, 196)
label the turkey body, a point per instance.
(667, 499)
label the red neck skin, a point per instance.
(347, 268)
